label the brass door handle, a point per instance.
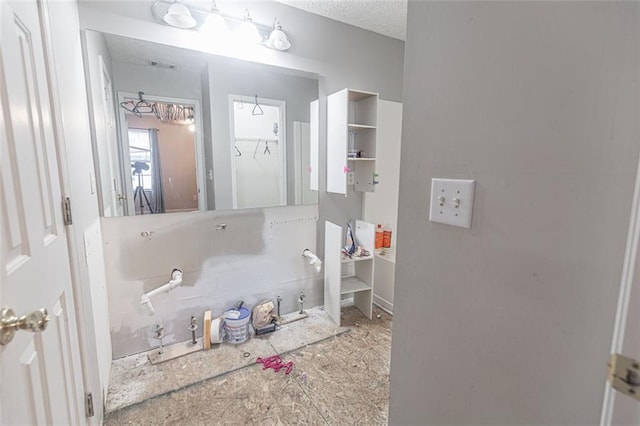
(10, 323)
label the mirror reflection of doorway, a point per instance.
(161, 148)
(259, 174)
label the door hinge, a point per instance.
(66, 210)
(88, 404)
(624, 375)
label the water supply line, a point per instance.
(312, 259)
(145, 300)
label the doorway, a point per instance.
(259, 151)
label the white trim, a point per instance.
(383, 304)
(198, 134)
(626, 282)
(297, 161)
(105, 79)
(82, 303)
(232, 159)
(282, 144)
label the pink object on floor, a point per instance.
(276, 363)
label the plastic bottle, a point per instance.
(386, 237)
(379, 237)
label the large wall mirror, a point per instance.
(178, 130)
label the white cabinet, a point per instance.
(382, 206)
(314, 120)
(343, 277)
(351, 140)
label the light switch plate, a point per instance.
(452, 201)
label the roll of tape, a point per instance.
(217, 330)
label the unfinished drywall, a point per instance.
(510, 322)
(256, 256)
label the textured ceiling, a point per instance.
(387, 17)
(133, 51)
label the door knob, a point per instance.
(10, 323)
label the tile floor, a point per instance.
(342, 380)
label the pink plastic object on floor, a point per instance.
(276, 363)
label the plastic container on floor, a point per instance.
(237, 329)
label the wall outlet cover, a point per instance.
(452, 201)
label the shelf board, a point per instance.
(361, 159)
(353, 126)
(358, 95)
(356, 259)
(388, 254)
(353, 285)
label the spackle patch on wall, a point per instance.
(255, 255)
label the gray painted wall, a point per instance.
(511, 322)
(134, 78)
(231, 76)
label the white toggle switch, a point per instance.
(452, 201)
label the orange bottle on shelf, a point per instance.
(386, 237)
(379, 237)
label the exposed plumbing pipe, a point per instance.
(312, 258)
(145, 300)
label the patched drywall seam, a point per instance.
(256, 256)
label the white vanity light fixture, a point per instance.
(178, 15)
(220, 26)
(278, 39)
(247, 30)
(214, 24)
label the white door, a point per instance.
(116, 196)
(332, 270)
(39, 382)
(302, 155)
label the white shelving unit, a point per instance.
(348, 276)
(352, 117)
(381, 206)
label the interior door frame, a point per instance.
(282, 144)
(105, 78)
(124, 145)
(624, 296)
(82, 305)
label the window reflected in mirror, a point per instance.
(161, 142)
